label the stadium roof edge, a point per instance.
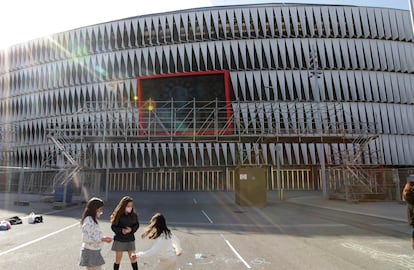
(196, 9)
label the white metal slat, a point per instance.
(408, 158)
(347, 121)
(281, 80)
(302, 21)
(230, 20)
(406, 17)
(334, 20)
(266, 83)
(356, 19)
(374, 56)
(396, 56)
(386, 149)
(383, 112)
(410, 113)
(367, 51)
(395, 87)
(252, 113)
(290, 49)
(409, 81)
(251, 50)
(332, 112)
(260, 111)
(269, 117)
(379, 23)
(266, 49)
(401, 86)
(261, 13)
(339, 92)
(341, 20)
(393, 21)
(362, 112)
(328, 82)
(366, 32)
(304, 151)
(224, 148)
(209, 154)
(298, 85)
(360, 54)
(403, 57)
(259, 53)
(238, 17)
(288, 152)
(398, 119)
(281, 44)
(301, 118)
(317, 13)
(271, 19)
(374, 86)
(304, 77)
(309, 119)
(387, 24)
(257, 78)
(367, 85)
(372, 23)
(377, 117)
(388, 55)
(405, 119)
(250, 85)
(232, 147)
(310, 22)
(276, 112)
(326, 21)
(289, 83)
(295, 147)
(396, 150)
(275, 50)
(352, 76)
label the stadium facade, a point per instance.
(296, 81)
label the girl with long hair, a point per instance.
(166, 246)
(125, 223)
(92, 236)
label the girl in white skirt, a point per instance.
(92, 236)
(167, 246)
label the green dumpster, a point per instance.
(251, 185)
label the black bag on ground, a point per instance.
(15, 220)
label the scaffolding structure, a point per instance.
(258, 123)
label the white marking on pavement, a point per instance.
(38, 239)
(209, 219)
(399, 259)
(235, 252)
(195, 201)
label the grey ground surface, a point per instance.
(302, 232)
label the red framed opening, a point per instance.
(199, 87)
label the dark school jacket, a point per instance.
(125, 221)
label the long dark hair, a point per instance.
(120, 210)
(91, 207)
(157, 227)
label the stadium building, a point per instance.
(320, 96)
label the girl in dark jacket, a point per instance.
(125, 223)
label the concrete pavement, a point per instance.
(391, 210)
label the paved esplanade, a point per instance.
(218, 234)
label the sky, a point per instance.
(24, 20)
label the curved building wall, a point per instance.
(365, 55)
